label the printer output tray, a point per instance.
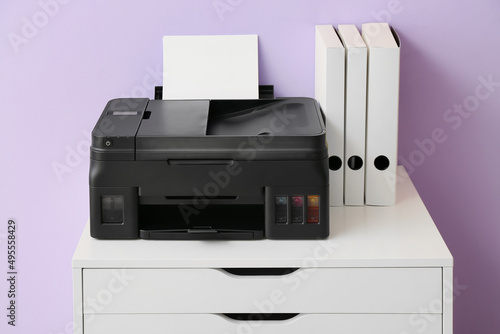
(214, 222)
(201, 234)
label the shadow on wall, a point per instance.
(424, 91)
(436, 134)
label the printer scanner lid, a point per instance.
(264, 129)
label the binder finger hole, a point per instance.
(355, 162)
(334, 162)
(381, 162)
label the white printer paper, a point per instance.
(210, 67)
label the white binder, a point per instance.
(382, 113)
(355, 114)
(329, 91)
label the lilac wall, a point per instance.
(55, 80)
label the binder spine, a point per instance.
(329, 91)
(382, 116)
(355, 115)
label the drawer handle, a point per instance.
(260, 271)
(260, 316)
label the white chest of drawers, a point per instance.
(382, 270)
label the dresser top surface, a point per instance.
(402, 235)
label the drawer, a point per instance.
(313, 290)
(300, 324)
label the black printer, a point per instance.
(209, 169)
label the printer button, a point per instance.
(281, 209)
